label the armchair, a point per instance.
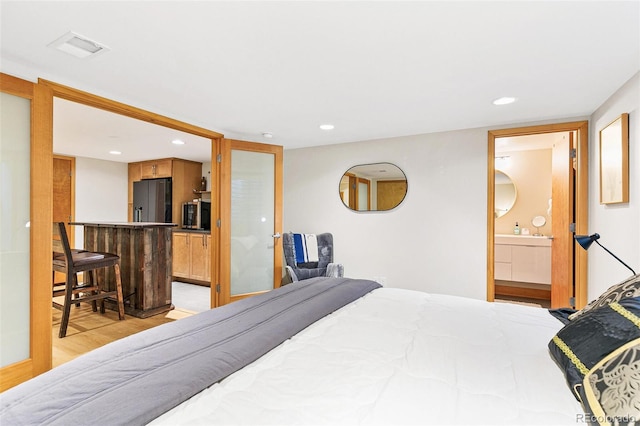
(301, 268)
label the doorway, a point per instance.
(106, 150)
(251, 197)
(569, 182)
(42, 141)
(524, 214)
(219, 249)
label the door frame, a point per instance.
(581, 188)
(85, 98)
(71, 231)
(42, 95)
(224, 283)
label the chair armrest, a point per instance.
(292, 275)
(335, 270)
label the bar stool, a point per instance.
(70, 262)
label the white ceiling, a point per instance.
(373, 69)
(83, 131)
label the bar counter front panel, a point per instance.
(145, 262)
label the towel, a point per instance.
(305, 247)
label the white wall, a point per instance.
(617, 224)
(101, 193)
(434, 241)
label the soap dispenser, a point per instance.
(516, 229)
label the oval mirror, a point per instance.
(373, 187)
(505, 194)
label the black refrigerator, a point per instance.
(152, 200)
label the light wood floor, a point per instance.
(89, 330)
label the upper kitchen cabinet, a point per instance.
(156, 169)
(185, 178)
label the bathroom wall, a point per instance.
(530, 171)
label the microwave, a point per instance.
(196, 215)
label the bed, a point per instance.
(320, 351)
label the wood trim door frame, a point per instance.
(85, 98)
(228, 145)
(64, 195)
(72, 195)
(579, 260)
(42, 95)
(41, 198)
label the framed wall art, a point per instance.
(614, 161)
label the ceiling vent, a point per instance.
(78, 46)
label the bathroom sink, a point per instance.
(522, 240)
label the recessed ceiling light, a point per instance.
(327, 126)
(78, 45)
(267, 135)
(177, 142)
(505, 100)
(115, 152)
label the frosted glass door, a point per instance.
(15, 311)
(252, 221)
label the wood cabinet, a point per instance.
(181, 257)
(156, 169)
(185, 178)
(192, 256)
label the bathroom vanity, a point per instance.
(523, 259)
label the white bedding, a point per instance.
(399, 357)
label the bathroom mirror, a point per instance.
(505, 194)
(373, 187)
(538, 221)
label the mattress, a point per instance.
(399, 357)
(147, 374)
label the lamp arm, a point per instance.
(617, 258)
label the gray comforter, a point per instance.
(136, 379)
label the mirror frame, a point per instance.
(614, 161)
(515, 195)
(371, 179)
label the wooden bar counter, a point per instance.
(145, 262)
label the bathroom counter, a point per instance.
(523, 240)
